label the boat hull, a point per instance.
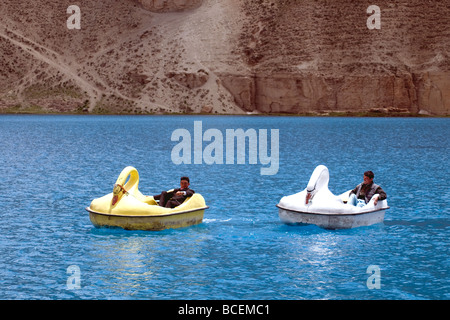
(332, 221)
(148, 222)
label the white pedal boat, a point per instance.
(327, 210)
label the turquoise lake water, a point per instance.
(54, 166)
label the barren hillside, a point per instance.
(225, 56)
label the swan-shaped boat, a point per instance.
(126, 207)
(318, 205)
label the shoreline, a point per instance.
(248, 114)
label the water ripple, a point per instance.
(54, 166)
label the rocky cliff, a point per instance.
(225, 56)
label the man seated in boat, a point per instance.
(366, 190)
(175, 197)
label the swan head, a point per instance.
(319, 180)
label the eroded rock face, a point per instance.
(433, 92)
(230, 56)
(170, 5)
(310, 93)
(190, 79)
(243, 89)
(319, 56)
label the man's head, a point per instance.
(368, 177)
(184, 182)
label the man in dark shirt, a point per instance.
(367, 189)
(175, 197)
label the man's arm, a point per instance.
(382, 194)
(354, 190)
(189, 192)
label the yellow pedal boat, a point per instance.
(126, 207)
